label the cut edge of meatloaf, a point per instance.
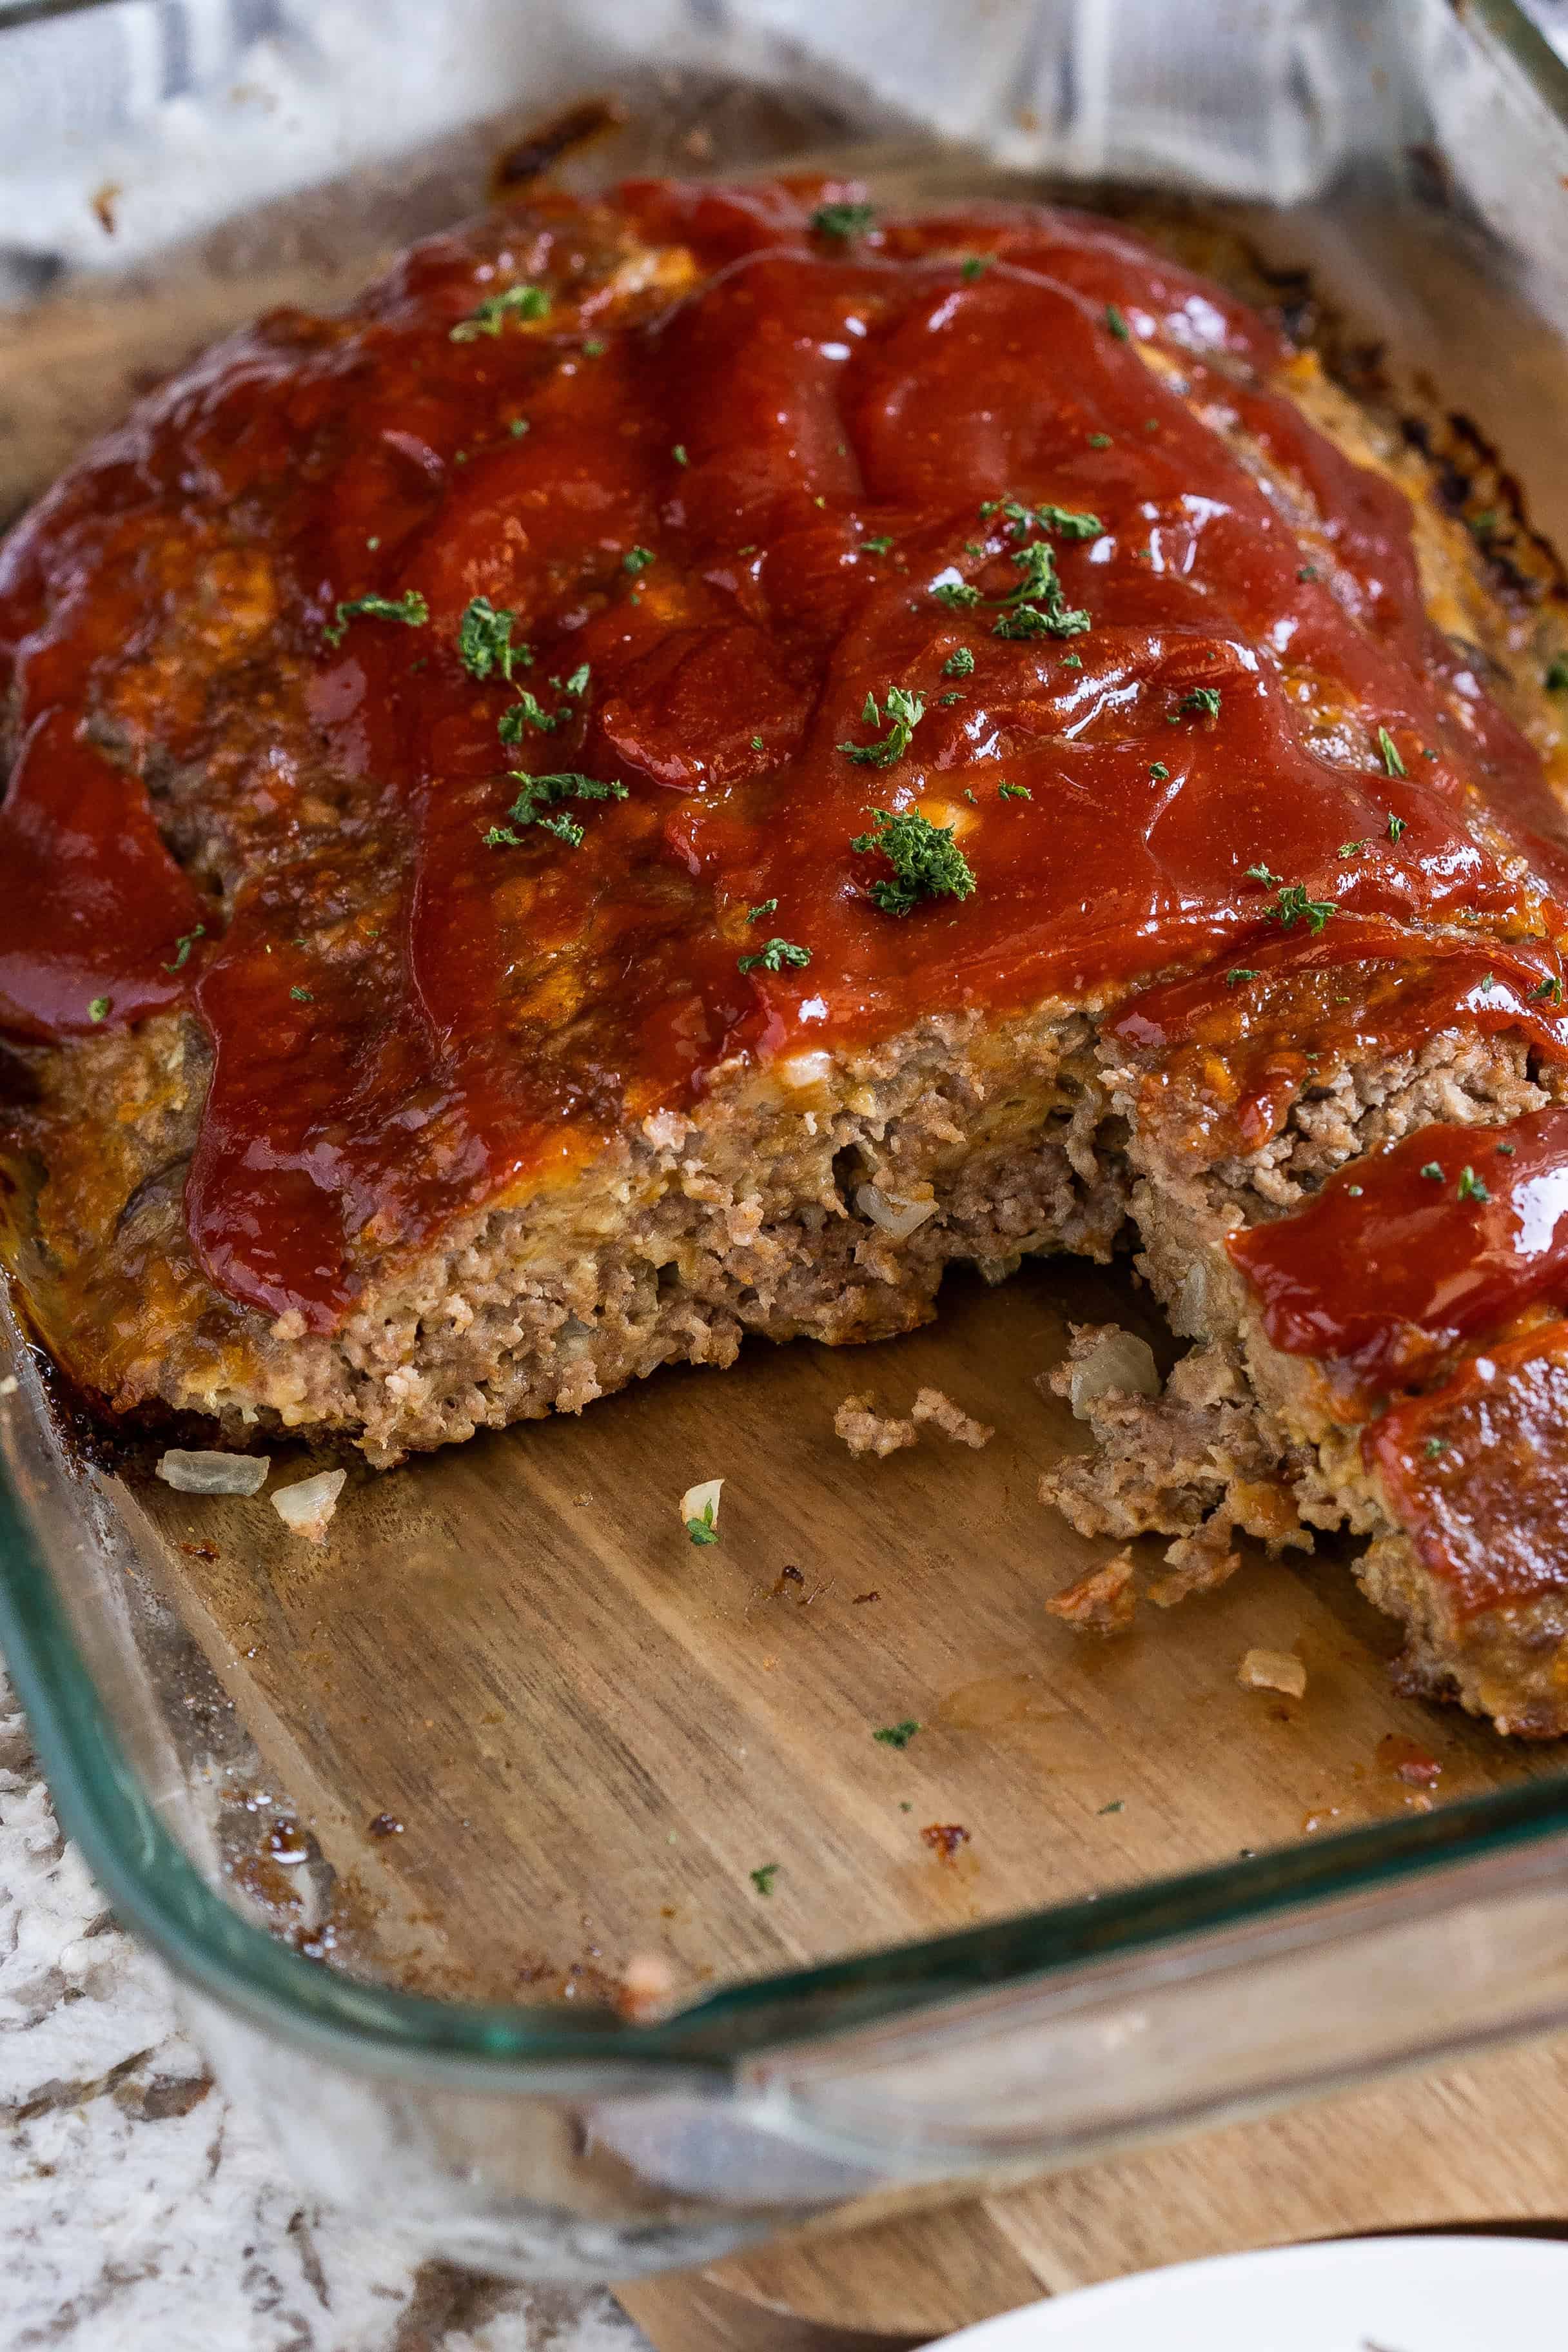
(823, 1198)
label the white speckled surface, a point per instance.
(138, 2211)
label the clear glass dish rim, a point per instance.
(154, 1887)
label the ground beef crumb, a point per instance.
(1100, 1602)
(1274, 1670)
(931, 1404)
(867, 1431)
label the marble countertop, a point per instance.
(139, 2211)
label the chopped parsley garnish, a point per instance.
(183, 947)
(1471, 1187)
(484, 640)
(765, 907)
(577, 684)
(1159, 772)
(678, 454)
(927, 862)
(881, 546)
(1070, 524)
(301, 996)
(1557, 675)
(1507, 1151)
(1204, 700)
(1390, 749)
(763, 1878)
(1072, 661)
(527, 712)
(1485, 522)
(1351, 848)
(1487, 983)
(1260, 873)
(1432, 1171)
(594, 349)
(1117, 324)
(517, 427)
(1014, 793)
(636, 559)
(844, 220)
(99, 1010)
(1236, 975)
(1100, 440)
(517, 302)
(1037, 608)
(1550, 988)
(703, 1528)
(758, 744)
(1395, 828)
(411, 609)
(959, 664)
(540, 792)
(773, 955)
(1292, 904)
(956, 594)
(953, 694)
(976, 267)
(1307, 572)
(897, 1735)
(1116, 1805)
(1433, 1446)
(903, 712)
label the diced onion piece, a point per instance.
(9, 1385)
(897, 1217)
(1121, 1362)
(1275, 1670)
(213, 1474)
(701, 1504)
(306, 1507)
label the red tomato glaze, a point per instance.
(727, 484)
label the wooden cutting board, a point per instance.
(1480, 2144)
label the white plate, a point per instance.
(1358, 2295)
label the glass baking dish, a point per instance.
(538, 1878)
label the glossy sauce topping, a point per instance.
(1406, 1254)
(731, 470)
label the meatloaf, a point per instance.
(689, 760)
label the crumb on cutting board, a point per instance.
(1101, 1602)
(1273, 1670)
(865, 1431)
(932, 1404)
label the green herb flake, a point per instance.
(1237, 974)
(1432, 1171)
(636, 559)
(1068, 522)
(954, 694)
(411, 609)
(594, 348)
(897, 1735)
(903, 712)
(301, 996)
(763, 1878)
(99, 1009)
(1395, 828)
(1556, 679)
(773, 955)
(1036, 608)
(1354, 848)
(1507, 1151)
(1471, 1187)
(1487, 522)
(1117, 324)
(527, 712)
(541, 794)
(976, 267)
(373, 543)
(1158, 771)
(1433, 1446)
(879, 546)
(703, 1528)
(484, 640)
(678, 454)
(1072, 661)
(956, 594)
(927, 862)
(763, 906)
(758, 744)
(959, 664)
(517, 427)
(1260, 873)
(183, 947)
(1390, 749)
(1203, 700)
(843, 222)
(1116, 1805)
(1487, 983)
(1100, 440)
(1014, 793)
(1292, 906)
(517, 302)
(1550, 988)
(1308, 572)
